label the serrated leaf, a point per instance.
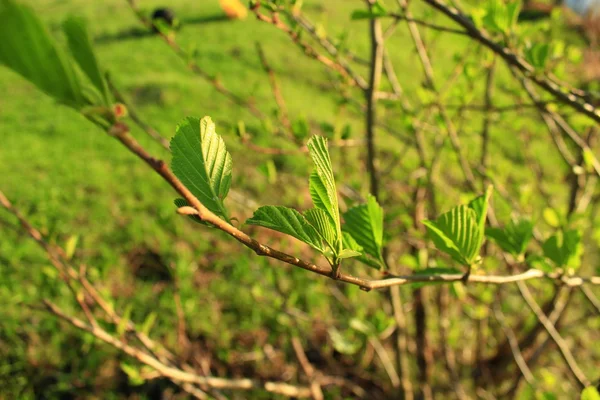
(202, 163)
(81, 48)
(365, 224)
(457, 234)
(28, 49)
(288, 221)
(322, 224)
(564, 249)
(480, 206)
(125, 319)
(350, 243)
(322, 185)
(513, 238)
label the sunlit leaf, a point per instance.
(322, 185)
(81, 48)
(202, 163)
(365, 224)
(288, 221)
(27, 48)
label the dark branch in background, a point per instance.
(283, 113)
(335, 65)
(571, 99)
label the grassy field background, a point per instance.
(71, 180)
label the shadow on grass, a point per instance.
(137, 32)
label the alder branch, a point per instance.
(308, 49)
(553, 332)
(175, 374)
(569, 98)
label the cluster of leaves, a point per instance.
(72, 78)
(202, 163)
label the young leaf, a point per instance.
(564, 248)
(514, 238)
(28, 49)
(457, 234)
(349, 253)
(202, 163)
(288, 221)
(480, 206)
(322, 224)
(322, 185)
(350, 243)
(81, 48)
(365, 224)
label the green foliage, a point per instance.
(80, 45)
(590, 393)
(202, 163)
(537, 54)
(44, 63)
(364, 223)
(288, 221)
(460, 231)
(564, 249)
(320, 227)
(514, 237)
(498, 16)
(322, 186)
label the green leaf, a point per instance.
(537, 54)
(551, 217)
(322, 224)
(81, 47)
(457, 234)
(202, 163)
(480, 206)
(349, 253)
(350, 243)
(288, 221)
(135, 378)
(514, 238)
(365, 224)
(322, 185)
(70, 246)
(564, 249)
(590, 393)
(28, 49)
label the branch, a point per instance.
(309, 50)
(176, 374)
(549, 85)
(562, 345)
